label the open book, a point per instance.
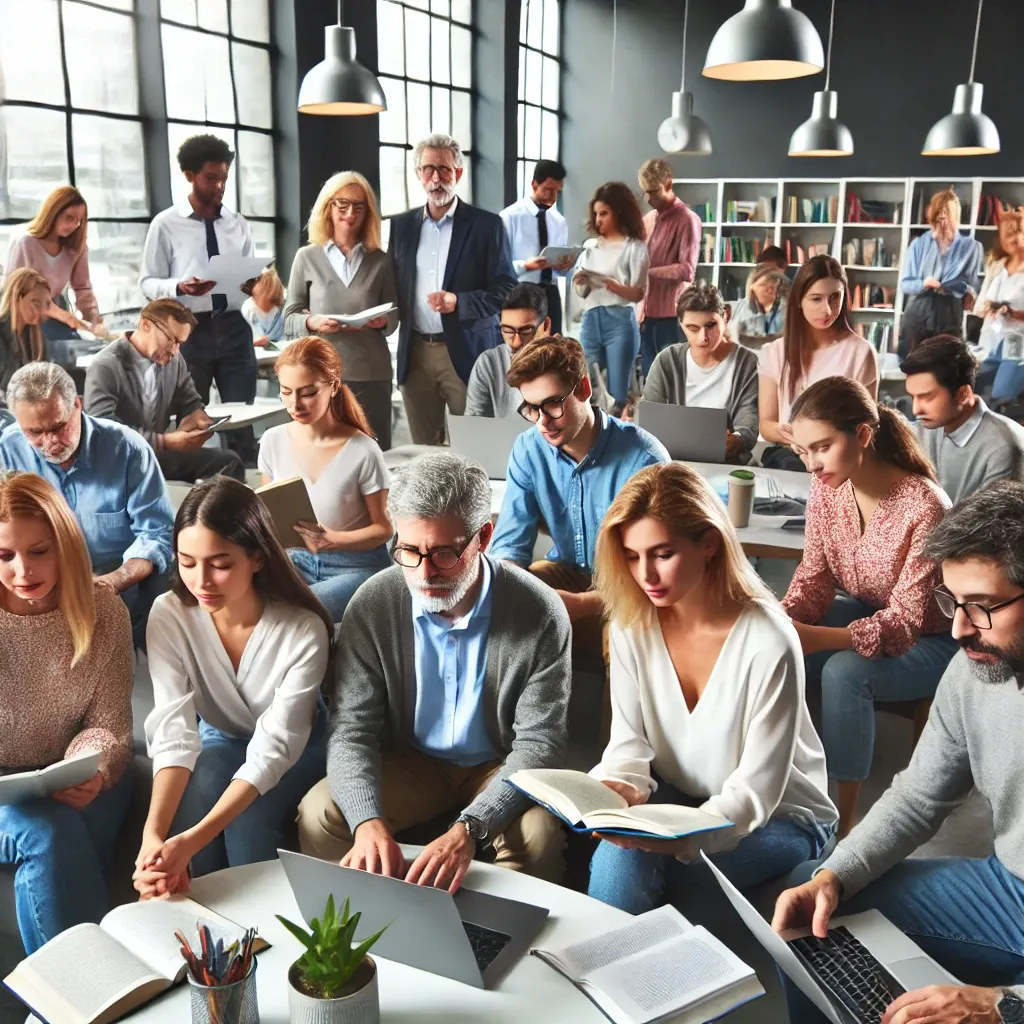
(659, 965)
(363, 318)
(92, 974)
(43, 782)
(288, 502)
(586, 805)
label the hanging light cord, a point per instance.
(977, 31)
(341, 12)
(686, 16)
(828, 58)
(615, 36)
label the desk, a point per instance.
(243, 415)
(264, 357)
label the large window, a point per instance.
(425, 60)
(539, 87)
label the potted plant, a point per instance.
(334, 981)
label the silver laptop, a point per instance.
(471, 937)
(486, 440)
(689, 434)
(900, 956)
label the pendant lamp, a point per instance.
(339, 84)
(684, 132)
(822, 134)
(966, 131)
(767, 40)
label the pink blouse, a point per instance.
(885, 566)
(67, 267)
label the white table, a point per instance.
(243, 415)
(264, 357)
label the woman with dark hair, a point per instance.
(817, 342)
(611, 277)
(238, 653)
(330, 445)
(862, 597)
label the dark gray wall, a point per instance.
(895, 64)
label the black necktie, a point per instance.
(542, 237)
(220, 302)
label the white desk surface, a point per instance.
(264, 357)
(243, 415)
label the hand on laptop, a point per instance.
(374, 849)
(812, 903)
(946, 1004)
(444, 862)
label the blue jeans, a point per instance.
(637, 881)
(966, 914)
(610, 337)
(657, 333)
(851, 683)
(60, 854)
(257, 833)
(334, 576)
(1006, 375)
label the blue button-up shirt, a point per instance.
(431, 262)
(451, 665)
(114, 487)
(958, 270)
(543, 483)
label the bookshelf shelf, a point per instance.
(748, 224)
(872, 224)
(883, 310)
(875, 270)
(734, 263)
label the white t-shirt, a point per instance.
(337, 496)
(709, 389)
(1008, 288)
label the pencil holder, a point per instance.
(226, 1004)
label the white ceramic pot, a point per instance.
(361, 1007)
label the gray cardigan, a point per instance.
(315, 289)
(488, 393)
(526, 691)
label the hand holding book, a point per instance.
(682, 849)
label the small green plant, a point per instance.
(742, 474)
(330, 959)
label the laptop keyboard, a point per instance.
(486, 944)
(849, 972)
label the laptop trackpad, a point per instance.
(919, 972)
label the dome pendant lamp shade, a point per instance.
(767, 40)
(822, 134)
(684, 132)
(339, 84)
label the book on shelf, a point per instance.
(873, 296)
(799, 254)
(706, 211)
(658, 965)
(878, 332)
(812, 211)
(735, 249)
(707, 247)
(872, 211)
(760, 210)
(991, 208)
(869, 252)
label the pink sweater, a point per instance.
(67, 267)
(673, 242)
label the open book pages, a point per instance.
(363, 318)
(43, 782)
(288, 502)
(658, 965)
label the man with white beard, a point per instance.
(453, 672)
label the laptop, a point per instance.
(471, 937)
(689, 434)
(486, 440)
(865, 964)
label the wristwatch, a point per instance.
(474, 826)
(1011, 1008)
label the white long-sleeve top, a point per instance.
(272, 698)
(748, 748)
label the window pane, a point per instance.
(524, 12)
(176, 135)
(417, 50)
(392, 181)
(440, 120)
(462, 10)
(535, 25)
(115, 252)
(110, 167)
(392, 120)
(531, 149)
(119, 5)
(521, 95)
(423, 5)
(263, 238)
(521, 130)
(22, 69)
(109, 83)
(442, 7)
(440, 60)
(418, 98)
(462, 121)
(551, 40)
(255, 163)
(462, 57)
(549, 96)
(549, 139)
(413, 184)
(250, 19)
(533, 73)
(252, 85)
(464, 189)
(213, 14)
(179, 10)
(37, 159)
(390, 36)
(197, 76)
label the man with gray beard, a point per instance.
(453, 672)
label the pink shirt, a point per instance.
(67, 267)
(851, 357)
(673, 242)
(884, 566)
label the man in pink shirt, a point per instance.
(672, 231)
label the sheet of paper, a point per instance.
(231, 272)
(242, 415)
(363, 318)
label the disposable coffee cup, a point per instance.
(741, 497)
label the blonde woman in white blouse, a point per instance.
(707, 686)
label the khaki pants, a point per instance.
(431, 383)
(586, 633)
(417, 788)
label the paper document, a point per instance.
(559, 253)
(231, 272)
(363, 318)
(242, 414)
(43, 782)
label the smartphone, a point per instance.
(795, 524)
(218, 422)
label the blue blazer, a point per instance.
(479, 271)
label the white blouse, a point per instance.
(272, 698)
(628, 261)
(748, 748)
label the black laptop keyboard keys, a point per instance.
(486, 943)
(850, 973)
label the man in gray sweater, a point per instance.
(964, 913)
(453, 671)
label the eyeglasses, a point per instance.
(442, 558)
(553, 408)
(526, 333)
(979, 615)
(175, 344)
(345, 205)
(444, 173)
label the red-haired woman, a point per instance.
(330, 445)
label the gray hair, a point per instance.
(989, 524)
(438, 484)
(39, 382)
(438, 140)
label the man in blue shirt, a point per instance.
(565, 473)
(106, 473)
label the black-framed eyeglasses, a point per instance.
(344, 205)
(442, 558)
(979, 615)
(526, 332)
(163, 330)
(553, 408)
(444, 173)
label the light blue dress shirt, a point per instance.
(346, 267)
(958, 271)
(543, 483)
(451, 664)
(520, 221)
(114, 487)
(431, 261)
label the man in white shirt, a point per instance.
(533, 223)
(175, 263)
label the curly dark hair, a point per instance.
(618, 196)
(203, 149)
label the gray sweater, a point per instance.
(526, 690)
(488, 393)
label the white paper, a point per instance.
(43, 782)
(363, 318)
(231, 272)
(242, 415)
(644, 933)
(557, 253)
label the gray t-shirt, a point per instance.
(487, 393)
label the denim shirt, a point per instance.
(571, 498)
(958, 271)
(114, 487)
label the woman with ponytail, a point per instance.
(862, 597)
(330, 445)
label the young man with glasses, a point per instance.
(524, 317)
(454, 671)
(964, 913)
(141, 380)
(565, 474)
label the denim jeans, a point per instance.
(334, 576)
(60, 854)
(610, 337)
(851, 683)
(657, 333)
(1006, 376)
(257, 833)
(637, 881)
(966, 914)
